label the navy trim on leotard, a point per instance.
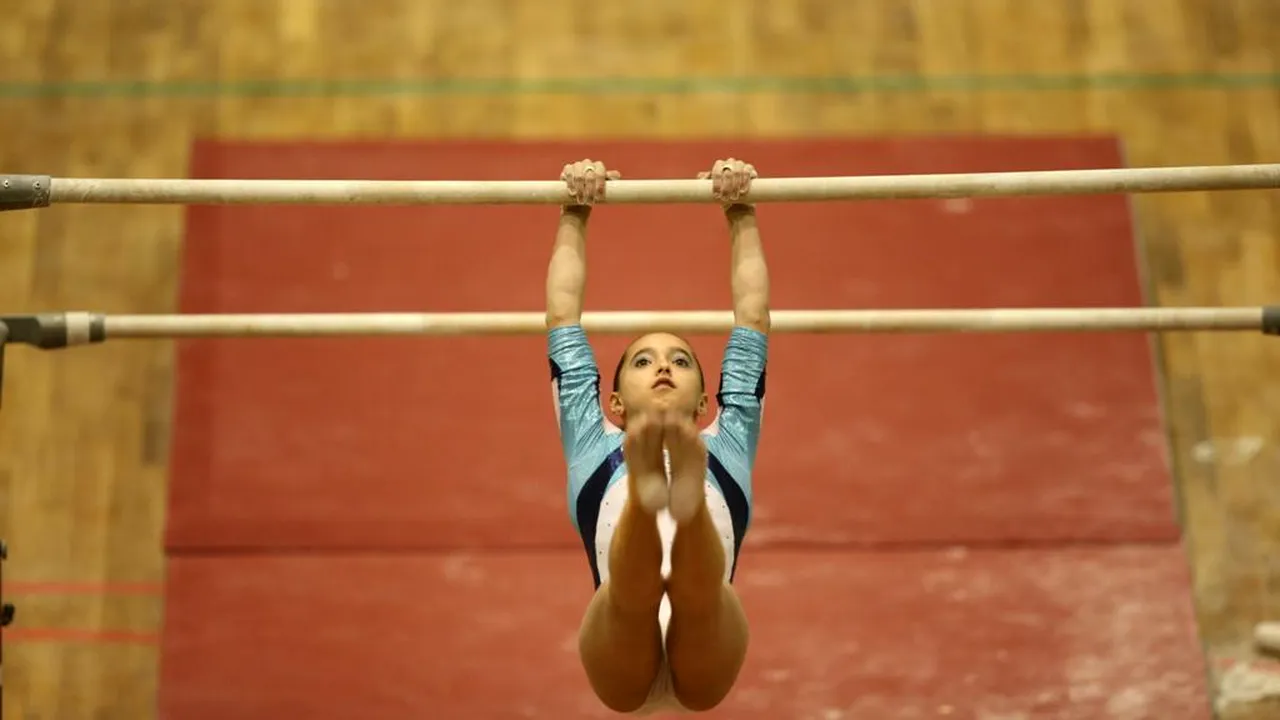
(587, 509)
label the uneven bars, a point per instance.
(19, 192)
(53, 330)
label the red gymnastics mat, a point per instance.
(1035, 634)
(867, 439)
(378, 528)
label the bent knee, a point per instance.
(621, 656)
(704, 685)
(621, 699)
(622, 687)
(703, 676)
(621, 677)
(702, 698)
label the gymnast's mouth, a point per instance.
(664, 382)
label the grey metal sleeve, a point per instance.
(24, 192)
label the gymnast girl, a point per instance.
(661, 507)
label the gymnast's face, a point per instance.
(658, 371)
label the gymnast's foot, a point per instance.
(688, 468)
(646, 471)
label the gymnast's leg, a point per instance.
(707, 638)
(620, 641)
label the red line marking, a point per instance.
(81, 588)
(95, 637)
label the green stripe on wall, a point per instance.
(646, 86)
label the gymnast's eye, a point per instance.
(682, 361)
(641, 361)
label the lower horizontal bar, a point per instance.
(74, 328)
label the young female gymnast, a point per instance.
(662, 508)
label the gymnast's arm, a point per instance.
(749, 273)
(575, 375)
(742, 373)
(567, 271)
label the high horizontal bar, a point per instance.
(53, 330)
(27, 191)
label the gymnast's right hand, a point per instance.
(586, 179)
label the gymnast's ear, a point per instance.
(702, 406)
(615, 405)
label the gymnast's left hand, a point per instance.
(730, 180)
(586, 180)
